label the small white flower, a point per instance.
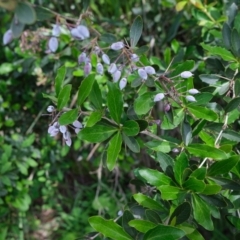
(7, 37)
(116, 76)
(190, 98)
(63, 129)
(87, 68)
(50, 108)
(150, 70)
(77, 124)
(82, 57)
(53, 44)
(106, 59)
(100, 68)
(142, 73)
(83, 30)
(186, 74)
(193, 91)
(134, 57)
(120, 213)
(175, 150)
(112, 68)
(123, 83)
(159, 97)
(56, 30)
(117, 46)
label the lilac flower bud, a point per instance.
(190, 98)
(63, 129)
(7, 37)
(167, 107)
(120, 213)
(66, 135)
(77, 130)
(158, 121)
(56, 30)
(112, 68)
(51, 108)
(175, 150)
(53, 131)
(83, 30)
(116, 76)
(186, 74)
(56, 124)
(87, 68)
(134, 57)
(106, 59)
(159, 97)
(69, 142)
(87, 60)
(77, 124)
(150, 70)
(142, 73)
(117, 46)
(123, 83)
(82, 57)
(97, 50)
(100, 68)
(76, 34)
(53, 44)
(193, 91)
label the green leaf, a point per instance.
(144, 103)
(108, 228)
(162, 146)
(226, 183)
(97, 133)
(232, 105)
(226, 34)
(43, 14)
(180, 165)
(53, 98)
(178, 118)
(202, 99)
(25, 13)
(29, 141)
(180, 214)
(136, 31)
(142, 225)
(85, 88)
(17, 27)
(147, 202)
(113, 150)
(64, 96)
(61, 72)
(235, 221)
(203, 113)
(162, 232)
(223, 166)
(194, 184)
(235, 42)
(115, 102)
(108, 38)
(185, 66)
(186, 132)
(232, 12)
(195, 235)
(169, 192)
(199, 173)
(126, 218)
(131, 143)
(198, 126)
(68, 117)
(211, 189)
(93, 119)
(153, 216)
(210, 79)
(95, 96)
(142, 124)
(202, 213)
(154, 177)
(219, 51)
(164, 160)
(202, 150)
(231, 135)
(130, 128)
(237, 87)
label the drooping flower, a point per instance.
(82, 57)
(87, 68)
(112, 68)
(150, 70)
(190, 98)
(159, 97)
(116, 76)
(167, 107)
(134, 57)
(142, 73)
(53, 44)
(56, 30)
(7, 37)
(193, 91)
(80, 32)
(122, 83)
(117, 46)
(106, 59)
(50, 108)
(100, 68)
(186, 74)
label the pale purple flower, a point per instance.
(68, 142)
(116, 76)
(50, 108)
(82, 57)
(150, 70)
(53, 130)
(186, 74)
(77, 124)
(7, 37)
(97, 50)
(56, 30)
(117, 46)
(123, 83)
(190, 98)
(159, 97)
(100, 68)
(63, 129)
(167, 107)
(87, 68)
(193, 91)
(134, 57)
(53, 44)
(106, 59)
(80, 32)
(112, 68)
(142, 73)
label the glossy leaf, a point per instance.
(226, 34)
(201, 213)
(97, 133)
(235, 42)
(153, 216)
(162, 232)
(108, 228)
(147, 202)
(185, 66)
(186, 132)
(235, 221)
(85, 88)
(180, 214)
(144, 103)
(130, 128)
(64, 96)
(136, 31)
(226, 183)
(126, 218)
(203, 113)
(231, 135)
(95, 96)
(202, 150)
(142, 225)
(210, 79)
(113, 150)
(93, 119)
(169, 192)
(223, 166)
(25, 13)
(68, 117)
(17, 27)
(61, 72)
(164, 160)
(131, 143)
(233, 104)
(198, 126)
(114, 101)
(199, 173)
(194, 184)
(180, 165)
(211, 189)
(43, 14)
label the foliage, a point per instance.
(166, 111)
